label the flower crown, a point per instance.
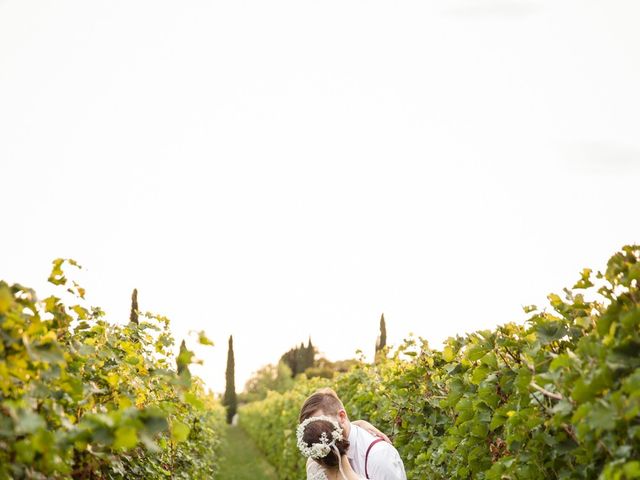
(319, 449)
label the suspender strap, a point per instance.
(366, 458)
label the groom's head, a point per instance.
(325, 402)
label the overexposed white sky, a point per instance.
(280, 169)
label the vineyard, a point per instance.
(557, 397)
(82, 398)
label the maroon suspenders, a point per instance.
(366, 458)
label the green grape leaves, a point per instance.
(84, 398)
(555, 397)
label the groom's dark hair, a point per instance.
(325, 400)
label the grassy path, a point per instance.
(241, 459)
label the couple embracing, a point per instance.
(339, 449)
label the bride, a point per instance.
(320, 438)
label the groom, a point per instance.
(369, 455)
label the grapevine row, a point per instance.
(83, 398)
(555, 397)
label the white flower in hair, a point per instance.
(322, 448)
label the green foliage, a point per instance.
(557, 397)
(272, 422)
(299, 359)
(83, 398)
(230, 400)
(328, 369)
(275, 378)
(278, 378)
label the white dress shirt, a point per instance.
(384, 460)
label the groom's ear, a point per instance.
(342, 415)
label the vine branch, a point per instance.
(545, 392)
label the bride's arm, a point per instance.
(371, 429)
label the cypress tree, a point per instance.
(291, 359)
(310, 355)
(230, 399)
(133, 316)
(381, 342)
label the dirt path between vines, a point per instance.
(241, 459)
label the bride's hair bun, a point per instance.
(313, 433)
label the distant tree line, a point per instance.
(299, 359)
